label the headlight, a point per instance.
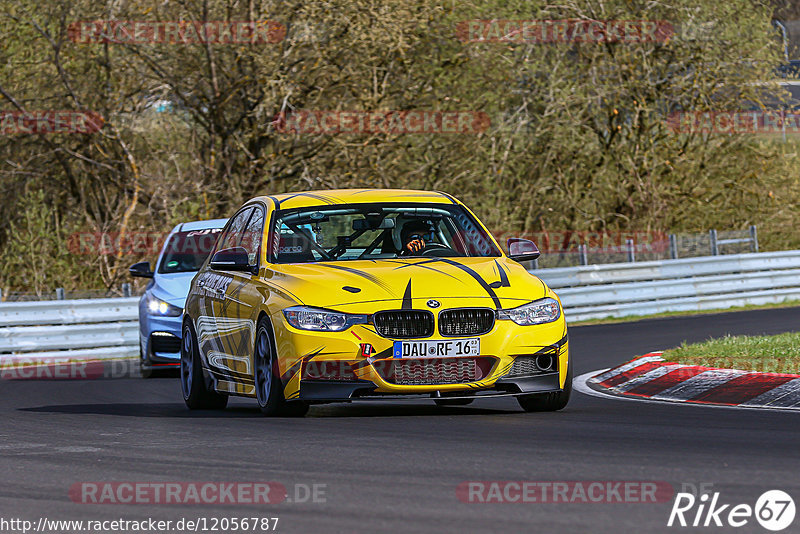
(159, 307)
(306, 318)
(540, 311)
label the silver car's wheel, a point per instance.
(144, 366)
(187, 364)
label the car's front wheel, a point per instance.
(144, 369)
(196, 394)
(548, 402)
(269, 390)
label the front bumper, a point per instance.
(329, 391)
(300, 349)
(160, 339)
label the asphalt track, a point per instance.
(395, 467)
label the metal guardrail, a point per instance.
(108, 328)
(74, 336)
(668, 269)
(713, 282)
(69, 329)
(48, 312)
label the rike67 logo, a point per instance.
(774, 510)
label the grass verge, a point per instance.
(767, 354)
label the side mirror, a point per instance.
(141, 270)
(231, 259)
(522, 249)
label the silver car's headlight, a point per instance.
(159, 307)
(540, 311)
(307, 318)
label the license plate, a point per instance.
(440, 348)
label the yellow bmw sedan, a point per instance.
(336, 296)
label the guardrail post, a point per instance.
(126, 289)
(673, 247)
(629, 245)
(582, 254)
(714, 248)
(754, 238)
(59, 293)
(535, 265)
(1, 294)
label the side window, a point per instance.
(251, 240)
(233, 234)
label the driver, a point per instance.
(413, 237)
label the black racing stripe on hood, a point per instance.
(477, 278)
(407, 303)
(371, 277)
(422, 265)
(501, 272)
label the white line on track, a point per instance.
(579, 384)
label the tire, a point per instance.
(144, 371)
(548, 402)
(266, 378)
(196, 393)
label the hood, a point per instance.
(499, 282)
(173, 287)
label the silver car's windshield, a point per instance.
(377, 231)
(186, 251)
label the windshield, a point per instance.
(186, 251)
(377, 231)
